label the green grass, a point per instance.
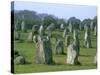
(28, 50)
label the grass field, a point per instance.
(28, 50)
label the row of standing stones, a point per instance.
(44, 49)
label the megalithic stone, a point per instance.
(76, 41)
(80, 25)
(95, 30)
(30, 37)
(49, 29)
(41, 30)
(23, 26)
(35, 39)
(67, 40)
(87, 42)
(73, 51)
(59, 47)
(66, 36)
(34, 28)
(91, 25)
(17, 35)
(16, 26)
(66, 32)
(95, 59)
(19, 60)
(62, 26)
(70, 27)
(44, 50)
(72, 55)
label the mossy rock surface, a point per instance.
(19, 60)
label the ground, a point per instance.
(28, 50)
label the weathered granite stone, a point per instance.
(41, 30)
(49, 29)
(16, 26)
(67, 40)
(30, 37)
(44, 50)
(62, 26)
(87, 41)
(66, 32)
(35, 28)
(59, 47)
(66, 36)
(70, 27)
(95, 59)
(19, 60)
(95, 30)
(23, 26)
(91, 26)
(73, 51)
(35, 38)
(17, 35)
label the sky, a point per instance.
(59, 10)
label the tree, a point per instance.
(86, 22)
(74, 22)
(48, 20)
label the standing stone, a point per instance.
(17, 35)
(49, 29)
(95, 59)
(41, 30)
(67, 37)
(35, 40)
(91, 25)
(87, 42)
(80, 26)
(23, 27)
(76, 41)
(44, 50)
(70, 27)
(16, 26)
(30, 37)
(66, 32)
(34, 28)
(62, 26)
(73, 51)
(67, 40)
(59, 47)
(95, 30)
